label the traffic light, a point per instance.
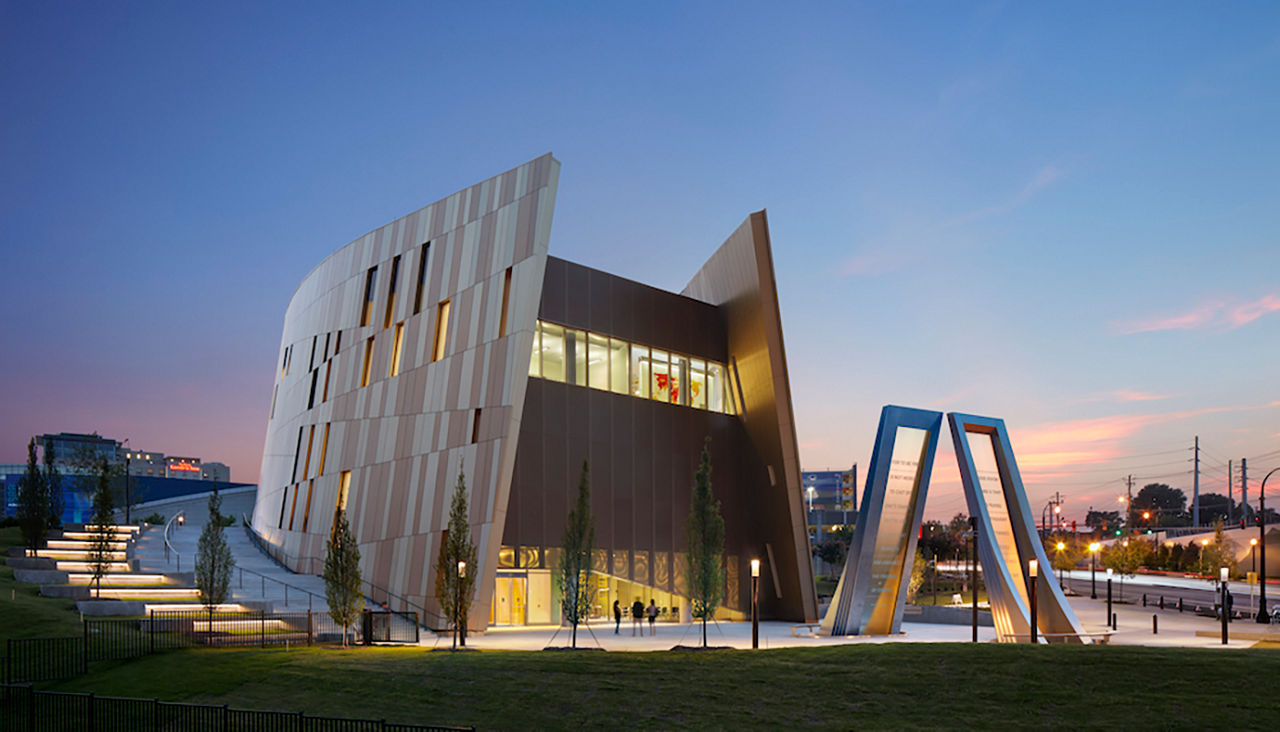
(1117, 532)
(1073, 527)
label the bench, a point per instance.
(811, 630)
(1101, 638)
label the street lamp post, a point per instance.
(1033, 567)
(755, 603)
(1110, 617)
(1061, 546)
(1093, 570)
(973, 581)
(1262, 539)
(1223, 574)
(1253, 561)
(457, 606)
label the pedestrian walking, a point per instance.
(617, 617)
(637, 615)
(652, 612)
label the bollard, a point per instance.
(1144, 599)
(1155, 625)
(1113, 621)
(1179, 604)
(1162, 602)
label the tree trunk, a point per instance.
(704, 630)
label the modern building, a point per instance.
(449, 341)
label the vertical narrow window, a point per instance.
(311, 363)
(327, 336)
(597, 361)
(306, 511)
(337, 343)
(716, 387)
(506, 300)
(442, 331)
(422, 278)
(328, 371)
(288, 359)
(679, 379)
(618, 381)
(344, 483)
(324, 450)
(368, 361)
(366, 312)
(475, 427)
(552, 352)
(311, 400)
(395, 350)
(306, 466)
(641, 367)
(284, 362)
(535, 359)
(284, 502)
(293, 505)
(297, 453)
(660, 371)
(575, 357)
(698, 384)
(391, 292)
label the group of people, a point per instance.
(638, 613)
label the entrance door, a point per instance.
(509, 600)
(502, 602)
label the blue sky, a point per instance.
(1064, 215)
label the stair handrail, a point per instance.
(169, 548)
(282, 558)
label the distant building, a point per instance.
(152, 475)
(831, 499)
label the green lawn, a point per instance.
(23, 612)
(878, 686)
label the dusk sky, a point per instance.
(1065, 215)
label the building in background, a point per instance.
(152, 475)
(831, 500)
(449, 342)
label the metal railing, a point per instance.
(315, 566)
(24, 708)
(169, 549)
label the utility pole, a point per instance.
(1231, 511)
(1195, 491)
(1130, 504)
(1244, 489)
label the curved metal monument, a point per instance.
(1007, 538)
(873, 586)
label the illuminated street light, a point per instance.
(755, 603)
(1093, 570)
(1110, 618)
(1033, 568)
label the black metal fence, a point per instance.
(119, 639)
(23, 709)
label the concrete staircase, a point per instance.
(63, 569)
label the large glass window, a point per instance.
(598, 362)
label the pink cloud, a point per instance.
(1246, 314)
(1128, 395)
(1212, 314)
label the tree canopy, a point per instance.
(343, 586)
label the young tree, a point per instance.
(574, 573)
(918, 568)
(53, 489)
(342, 583)
(101, 546)
(1221, 552)
(705, 528)
(454, 592)
(33, 503)
(213, 559)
